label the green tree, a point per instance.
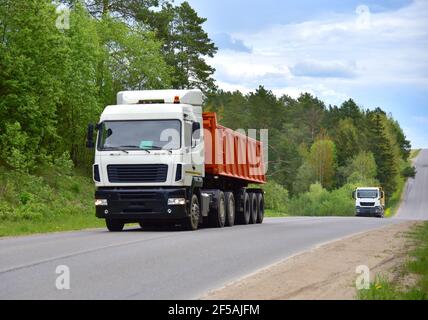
(322, 159)
(307, 114)
(80, 103)
(347, 140)
(126, 10)
(32, 54)
(304, 179)
(360, 168)
(383, 151)
(186, 46)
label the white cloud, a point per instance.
(330, 57)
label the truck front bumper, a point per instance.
(141, 204)
(369, 212)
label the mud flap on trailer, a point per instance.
(205, 203)
(213, 196)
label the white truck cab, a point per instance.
(369, 202)
(154, 130)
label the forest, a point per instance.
(62, 62)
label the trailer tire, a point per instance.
(244, 216)
(253, 208)
(191, 223)
(217, 217)
(230, 209)
(260, 208)
(114, 225)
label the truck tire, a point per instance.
(260, 208)
(191, 223)
(253, 208)
(114, 225)
(230, 209)
(217, 217)
(244, 216)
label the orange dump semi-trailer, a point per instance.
(231, 154)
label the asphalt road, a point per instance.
(158, 265)
(415, 201)
(174, 265)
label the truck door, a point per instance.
(194, 149)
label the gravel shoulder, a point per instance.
(327, 272)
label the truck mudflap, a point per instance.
(141, 204)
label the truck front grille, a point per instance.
(367, 204)
(137, 173)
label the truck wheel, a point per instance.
(230, 209)
(114, 225)
(192, 221)
(260, 208)
(253, 208)
(218, 217)
(244, 217)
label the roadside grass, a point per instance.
(416, 266)
(269, 213)
(55, 224)
(414, 153)
(49, 201)
(395, 200)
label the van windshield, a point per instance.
(140, 135)
(367, 194)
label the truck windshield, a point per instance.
(367, 194)
(140, 135)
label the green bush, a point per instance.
(14, 146)
(321, 202)
(276, 196)
(51, 194)
(409, 172)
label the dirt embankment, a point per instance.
(326, 272)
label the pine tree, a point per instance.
(186, 45)
(347, 141)
(382, 150)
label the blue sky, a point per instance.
(375, 52)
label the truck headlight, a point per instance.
(101, 202)
(176, 201)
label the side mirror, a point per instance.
(90, 144)
(196, 130)
(354, 195)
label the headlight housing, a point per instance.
(101, 202)
(176, 201)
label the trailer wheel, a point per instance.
(260, 208)
(244, 216)
(191, 223)
(114, 225)
(217, 216)
(230, 209)
(253, 208)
